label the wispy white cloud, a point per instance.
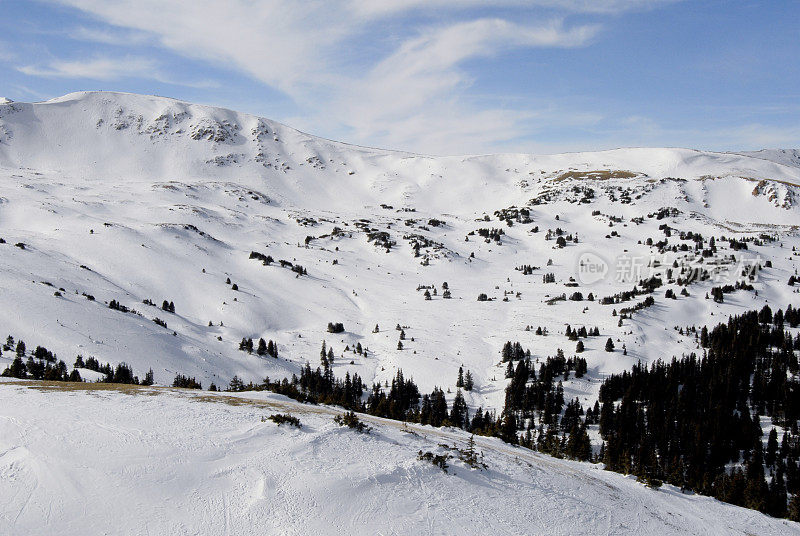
(20, 90)
(413, 95)
(108, 68)
(739, 135)
(753, 136)
(373, 8)
(110, 36)
(6, 53)
(94, 69)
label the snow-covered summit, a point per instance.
(136, 137)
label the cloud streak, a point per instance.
(415, 96)
(410, 91)
(107, 68)
(372, 8)
(95, 69)
(112, 36)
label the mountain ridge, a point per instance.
(161, 105)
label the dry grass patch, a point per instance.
(599, 175)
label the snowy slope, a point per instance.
(786, 157)
(131, 198)
(124, 467)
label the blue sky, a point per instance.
(436, 76)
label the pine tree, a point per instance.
(794, 508)
(460, 380)
(756, 490)
(459, 414)
(17, 369)
(262, 346)
(468, 381)
(772, 448)
(508, 430)
(236, 384)
(609, 345)
(148, 378)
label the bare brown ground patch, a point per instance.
(598, 175)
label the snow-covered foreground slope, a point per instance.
(154, 461)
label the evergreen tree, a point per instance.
(459, 414)
(148, 378)
(17, 369)
(236, 384)
(469, 383)
(772, 448)
(508, 431)
(794, 508)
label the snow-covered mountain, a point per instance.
(161, 234)
(132, 198)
